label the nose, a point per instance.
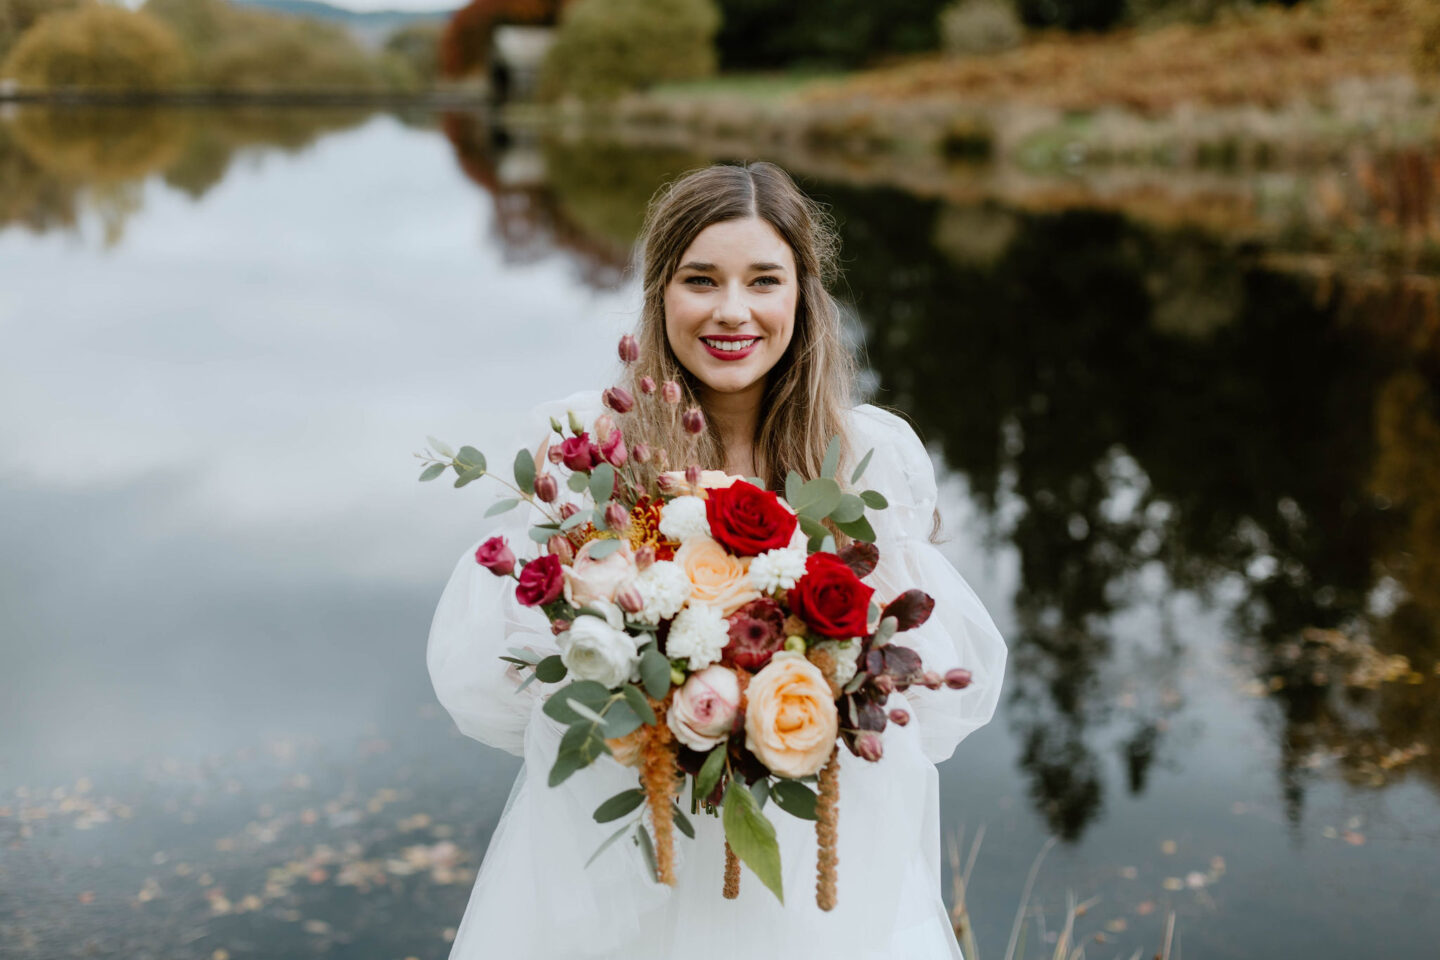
(731, 310)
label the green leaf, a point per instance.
(850, 509)
(827, 545)
(815, 530)
(551, 669)
(542, 534)
(874, 499)
(620, 804)
(502, 506)
(469, 474)
(524, 471)
(608, 841)
(793, 483)
(636, 698)
(683, 822)
(832, 457)
(584, 741)
(818, 497)
(858, 530)
(710, 771)
(588, 692)
(600, 549)
(620, 720)
(577, 519)
(602, 483)
(565, 764)
(860, 468)
(794, 798)
(471, 457)
(755, 482)
(655, 673)
(646, 847)
(578, 481)
(752, 837)
(441, 447)
(432, 471)
(760, 789)
(593, 716)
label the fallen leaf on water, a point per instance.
(1129, 873)
(1167, 847)
(1194, 879)
(1118, 925)
(1173, 883)
(1145, 907)
(1354, 839)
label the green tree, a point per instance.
(605, 47)
(17, 16)
(97, 47)
(418, 46)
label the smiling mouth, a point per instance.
(730, 346)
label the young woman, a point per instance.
(735, 261)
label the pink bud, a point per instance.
(692, 475)
(641, 453)
(495, 555)
(899, 717)
(604, 426)
(931, 680)
(869, 745)
(629, 598)
(647, 385)
(618, 399)
(958, 678)
(617, 518)
(546, 488)
(555, 454)
(613, 450)
(558, 627)
(693, 420)
(568, 510)
(629, 349)
(670, 391)
(666, 483)
(560, 546)
(884, 683)
(644, 557)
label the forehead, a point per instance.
(735, 244)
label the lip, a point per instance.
(730, 354)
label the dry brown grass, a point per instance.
(1268, 58)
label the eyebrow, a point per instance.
(710, 267)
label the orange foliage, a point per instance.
(465, 43)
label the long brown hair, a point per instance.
(808, 392)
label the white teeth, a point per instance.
(729, 345)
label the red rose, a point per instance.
(830, 598)
(579, 452)
(495, 555)
(746, 520)
(540, 582)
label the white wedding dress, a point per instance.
(534, 898)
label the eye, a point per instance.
(768, 281)
(700, 281)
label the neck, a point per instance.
(737, 418)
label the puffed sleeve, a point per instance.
(960, 632)
(479, 620)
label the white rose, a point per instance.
(594, 649)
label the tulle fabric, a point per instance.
(535, 898)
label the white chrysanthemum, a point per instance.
(777, 569)
(700, 633)
(664, 588)
(683, 519)
(846, 654)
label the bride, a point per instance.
(736, 311)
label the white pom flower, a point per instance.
(683, 519)
(777, 569)
(700, 633)
(664, 588)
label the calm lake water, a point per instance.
(1189, 440)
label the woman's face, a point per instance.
(730, 307)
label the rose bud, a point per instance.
(629, 599)
(931, 680)
(613, 451)
(692, 476)
(629, 349)
(558, 627)
(670, 391)
(555, 454)
(899, 717)
(666, 483)
(618, 399)
(546, 488)
(644, 557)
(958, 678)
(560, 546)
(641, 453)
(495, 555)
(617, 518)
(693, 420)
(604, 426)
(568, 510)
(869, 745)
(647, 385)
(884, 683)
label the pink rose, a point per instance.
(580, 452)
(541, 581)
(495, 555)
(613, 449)
(703, 711)
(588, 580)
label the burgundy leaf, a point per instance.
(910, 609)
(860, 557)
(875, 662)
(902, 663)
(872, 717)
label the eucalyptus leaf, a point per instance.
(529, 656)
(541, 534)
(815, 530)
(620, 720)
(642, 837)
(468, 475)
(502, 506)
(565, 764)
(590, 693)
(432, 471)
(832, 457)
(683, 822)
(760, 790)
(793, 483)
(577, 519)
(578, 481)
(602, 483)
(441, 447)
(874, 499)
(818, 497)
(584, 711)
(636, 699)
(858, 530)
(524, 471)
(860, 468)
(526, 682)
(794, 798)
(710, 771)
(600, 549)
(752, 837)
(755, 482)
(621, 804)
(850, 509)
(827, 544)
(471, 457)
(608, 841)
(655, 673)
(551, 669)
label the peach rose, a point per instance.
(709, 480)
(790, 717)
(716, 578)
(588, 580)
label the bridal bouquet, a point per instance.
(710, 631)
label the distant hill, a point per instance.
(370, 26)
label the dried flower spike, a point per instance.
(958, 678)
(670, 391)
(647, 385)
(641, 453)
(618, 399)
(546, 488)
(629, 349)
(693, 420)
(617, 518)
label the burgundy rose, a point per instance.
(495, 555)
(579, 452)
(830, 598)
(541, 581)
(747, 521)
(757, 633)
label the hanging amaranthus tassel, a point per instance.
(827, 812)
(657, 776)
(732, 874)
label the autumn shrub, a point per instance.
(1427, 38)
(17, 16)
(97, 47)
(417, 45)
(980, 26)
(603, 48)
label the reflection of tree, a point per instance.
(1143, 398)
(29, 195)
